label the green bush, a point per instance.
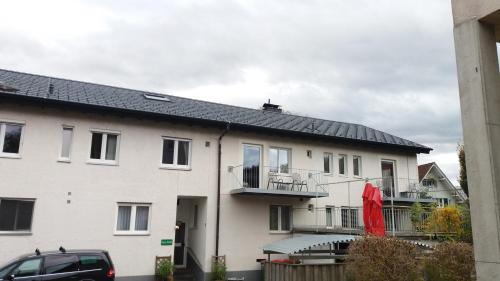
(219, 272)
(450, 261)
(382, 259)
(466, 234)
(165, 269)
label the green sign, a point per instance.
(166, 242)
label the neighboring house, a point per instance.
(438, 186)
(93, 166)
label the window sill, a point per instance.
(131, 233)
(10, 155)
(15, 233)
(182, 168)
(64, 160)
(104, 163)
(274, 232)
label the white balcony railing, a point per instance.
(272, 178)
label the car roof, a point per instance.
(48, 253)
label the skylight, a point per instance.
(156, 97)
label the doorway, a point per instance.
(388, 178)
(180, 250)
(252, 159)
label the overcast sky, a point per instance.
(385, 64)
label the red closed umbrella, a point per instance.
(376, 217)
(367, 195)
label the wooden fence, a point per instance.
(274, 271)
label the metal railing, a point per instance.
(277, 178)
(342, 219)
(402, 188)
(350, 220)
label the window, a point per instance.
(327, 163)
(329, 216)
(67, 139)
(356, 166)
(60, 264)
(157, 97)
(443, 202)
(279, 160)
(132, 219)
(28, 268)
(343, 164)
(280, 218)
(429, 182)
(176, 153)
(104, 147)
(195, 216)
(89, 262)
(10, 139)
(16, 215)
(349, 218)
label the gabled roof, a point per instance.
(69, 92)
(423, 170)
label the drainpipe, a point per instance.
(217, 223)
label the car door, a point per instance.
(27, 270)
(60, 267)
(93, 267)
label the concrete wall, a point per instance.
(479, 84)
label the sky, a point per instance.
(386, 64)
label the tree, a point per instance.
(463, 169)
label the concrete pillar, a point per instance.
(475, 31)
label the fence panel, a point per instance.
(274, 271)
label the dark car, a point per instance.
(78, 265)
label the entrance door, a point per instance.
(180, 251)
(388, 178)
(252, 159)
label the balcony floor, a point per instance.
(275, 192)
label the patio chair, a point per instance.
(274, 179)
(297, 181)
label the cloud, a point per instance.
(389, 65)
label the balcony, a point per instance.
(267, 181)
(349, 220)
(414, 191)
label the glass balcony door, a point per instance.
(252, 164)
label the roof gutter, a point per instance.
(219, 170)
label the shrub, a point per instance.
(219, 272)
(165, 269)
(447, 220)
(416, 212)
(466, 235)
(382, 259)
(450, 261)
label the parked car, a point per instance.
(78, 265)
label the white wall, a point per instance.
(88, 221)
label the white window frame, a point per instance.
(346, 170)
(133, 211)
(3, 124)
(67, 159)
(20, 232)
(360, 166)
(280, 214)
(330, 155)
(176, 154)
(332, 208)
(102, 160)
(289, 153)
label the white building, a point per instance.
(438, 186)
(92, 166)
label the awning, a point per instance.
(304, 242)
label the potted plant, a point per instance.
(165, 271)
(219, 272)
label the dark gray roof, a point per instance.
(49, 89)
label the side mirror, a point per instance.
(10, 277)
